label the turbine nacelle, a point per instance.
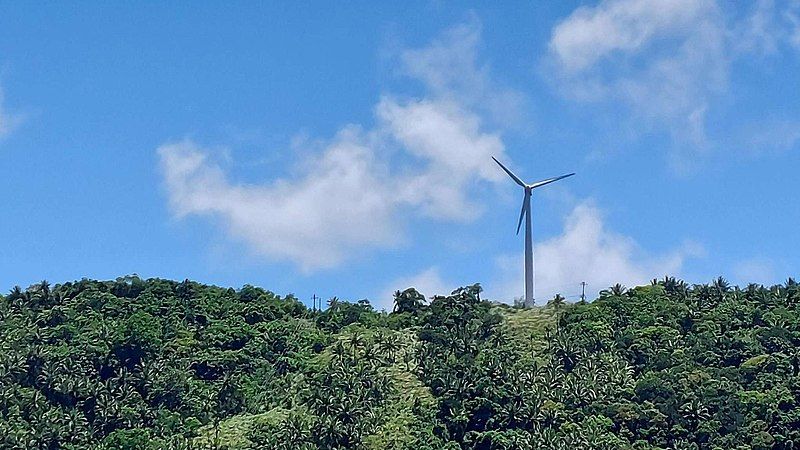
(528, 188)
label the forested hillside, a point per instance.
(157, 364)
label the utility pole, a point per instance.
(583, 291)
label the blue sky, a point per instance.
(344, 149)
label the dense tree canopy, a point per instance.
(157, 364)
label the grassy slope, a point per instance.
(526, 327)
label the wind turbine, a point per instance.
(526, 214)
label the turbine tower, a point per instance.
(526, 214)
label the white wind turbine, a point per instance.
(526, 213)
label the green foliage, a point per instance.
(156, 364)
(409, 301)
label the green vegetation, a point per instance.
(156, 364)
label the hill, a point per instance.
(158, 364)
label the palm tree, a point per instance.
(702, 294)
(333, 302)
(694, 412)
(388, 344)
(338, 349)
(566, 351)
(617, 290)
(410, 301)
(16, 294)
(356, 341)
(44, 290)
(792, 289)
(557, 302)
(721, 287)
(670, 284)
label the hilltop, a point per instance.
(159, 364)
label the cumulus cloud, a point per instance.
(449, 140)
(586, 250)
(424, 156)
(336, 206)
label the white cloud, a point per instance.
(586, 250)
(451, 69)
(337, 206)
(665, 59)
(758, 32)
(454, 149)
(352, 195)
(449, 64)
(591, 34)
(769, 26)
(429, 282)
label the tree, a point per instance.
(144, 364)
(409, 301)
(557, 302)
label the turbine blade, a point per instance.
(549, 180)
(521, 215)
(510, 173)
